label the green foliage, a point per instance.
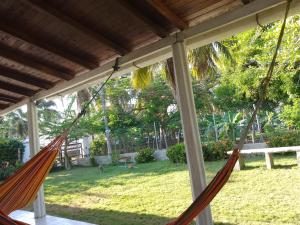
(115, 157)
(145, 155)
(98, 145)
(6, 172)
(176, 153)
(9, 150)
(216, 150)
(291, 114)
(282, 139)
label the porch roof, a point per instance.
(49, 47)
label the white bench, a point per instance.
(240, 164)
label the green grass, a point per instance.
(156, 192)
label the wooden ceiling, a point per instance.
(44, 42)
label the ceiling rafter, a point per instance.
(48, 45)
(29, 61)
(156, 28)
(3, 105)
(8, 98)
(16, 89)
(245, 2)
(25, 78)
(43, 7)
(166, 12)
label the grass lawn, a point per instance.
(156, 192)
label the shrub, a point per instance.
(6, 172)
(98, 146)
(9, 150)
(211, 151)
(283, 139)
(216, 150)
(145, 155)
(93, 161)
(176, 153)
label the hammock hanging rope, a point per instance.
(21, 188)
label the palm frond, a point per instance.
(142, 77)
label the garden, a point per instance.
(155, 193)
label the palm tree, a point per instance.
(18, 124)
(204, 62)
(46, 110)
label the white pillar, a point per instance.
(190, 127)
(34, 143)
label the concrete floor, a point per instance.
(28, 217)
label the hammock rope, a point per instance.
(21, 188)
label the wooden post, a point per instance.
(190, 127)
(34, 143)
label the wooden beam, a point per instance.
(27, 60)
(8, 98)
(3, 105)
(43, 7)
(165, 11)
(245, 1)
(48, 45)
(25, 78)
(16, 89)
(156, 28)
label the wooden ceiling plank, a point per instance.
(245, 2)
(25, 78)
(29, 61)
(156, 28)
(165, 11)
(8, 98)
(43, 7)
(16, 89)
(3, 106)
(47, 45)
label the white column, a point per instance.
(190, 127)
(34, 143)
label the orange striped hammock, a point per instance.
(21, 188)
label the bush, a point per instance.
(9, 150)
(216, 150)
(145, 155)
(98, 146)
(212, 151)
(176, 153)
(283, 139)
(6, 172)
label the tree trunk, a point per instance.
(105, 119)
(67, 161)
(171, 78)
(160, 137)
(165, 138)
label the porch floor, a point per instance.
(28, 217)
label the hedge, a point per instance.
(9, 150)
(211, 151)
(284, 138)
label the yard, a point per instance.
(156, 192)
